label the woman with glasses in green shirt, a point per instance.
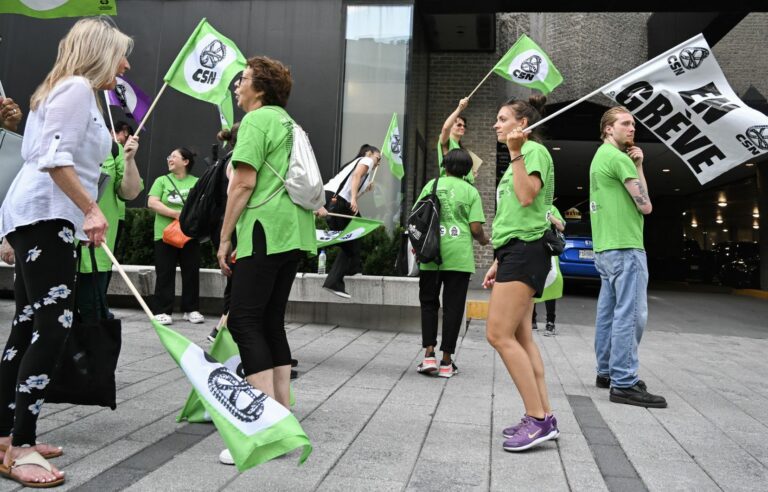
(273, 233)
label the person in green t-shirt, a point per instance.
(450, 137)
(518, 274)
(618, 200)
(273, 233)
(120, 181)
(556, 219)
(461, 219)
(121, 133)
(166, 199)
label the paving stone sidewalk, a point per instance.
(376, 424)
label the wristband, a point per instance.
(517, 158)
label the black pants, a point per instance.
(119, 248)
(455, 285)
(166, 258)
(45, 276)
(261, 285)
(550, 311)
(347, 262)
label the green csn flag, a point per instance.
(225, 351)
(357, 228)
(553, 286)
(527, 64)
(206, 65)
(226, 112)
(392, 148)
(254, 427)
(50, 9)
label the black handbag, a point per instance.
(554, 241)
(85, 374)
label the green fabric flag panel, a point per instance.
(553, 285)
(357, 228)
(254, 427)
(206, 65)
(51, 9)
(225, 351)
(526, 64)
(227, 112)
(392, 148)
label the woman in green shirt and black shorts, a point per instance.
(523, 197)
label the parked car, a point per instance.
(738, 264)
(696, 263)
(578, 258)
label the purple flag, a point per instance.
(129, 97)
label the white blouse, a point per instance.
(346, 191)
(67, 129)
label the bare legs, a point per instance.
(275, 383)
(509, 332)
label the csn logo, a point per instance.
(755, 139)
(211, 56)
(528, 69)
(689, 59)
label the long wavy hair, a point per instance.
(92, 49)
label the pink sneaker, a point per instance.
(428, 366)
(447, 370)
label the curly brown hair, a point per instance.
(271, 77)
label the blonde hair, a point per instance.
(610, 117)
(92, 49)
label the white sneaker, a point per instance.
(225, 458)
(194, 317)
(163, 319)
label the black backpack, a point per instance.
(423, 228)
(206, 202)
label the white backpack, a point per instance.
(303, 180)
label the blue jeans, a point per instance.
(622, 311)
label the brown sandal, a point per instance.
(48, 455)
(33, 458)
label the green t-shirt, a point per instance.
(616, 221)
(512, 219)
(452, 144)
(109, 203)
(165, 191)
(557, 215)
(266, 134)
(460, 205)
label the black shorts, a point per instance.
(526, 262)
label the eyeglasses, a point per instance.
(239, 79)
(461, 125)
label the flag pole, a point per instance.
(593, 93)
(111, 122)
(332, 214)
(481, 83)
(128, 282)
(149, 111)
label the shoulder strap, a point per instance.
(344, 181)
(177, 190)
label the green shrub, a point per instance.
(378, 249)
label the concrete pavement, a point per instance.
(378, 425)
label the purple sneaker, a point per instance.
(511, 431)
(552, 419)
(530, 434)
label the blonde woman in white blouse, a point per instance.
(51, 202)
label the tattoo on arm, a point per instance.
(642, 197)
